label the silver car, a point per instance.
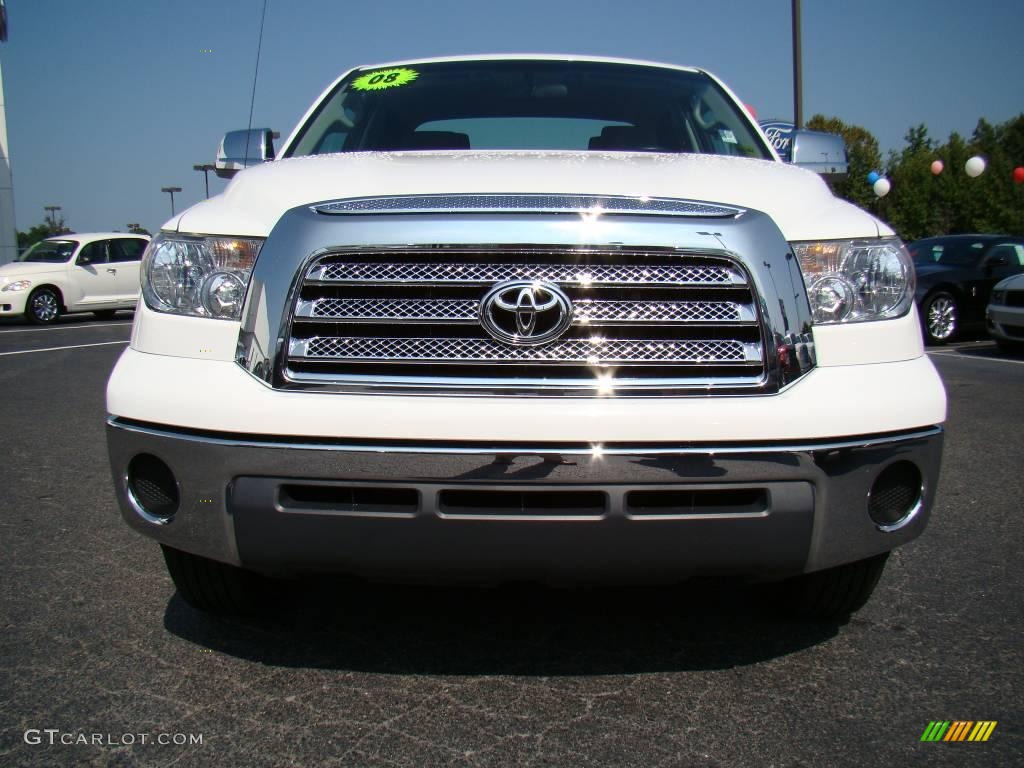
(1004, 315)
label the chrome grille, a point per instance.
(642, 319)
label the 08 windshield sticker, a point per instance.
(385, 78)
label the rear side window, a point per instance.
(1012, 252)
(962, 253)
(127, 249)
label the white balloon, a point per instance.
(882, 187)
(975, 166)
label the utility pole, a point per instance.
(171, 191)
(206, 175)
(8, 230)
(52, 210)
(798, 70)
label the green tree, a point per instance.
(923, 204)
(863, 155)
(912, 207)
(41, 232)
(994, 202)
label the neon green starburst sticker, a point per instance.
(385, 78)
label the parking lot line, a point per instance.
(957, 355)
(64, 327)
(54, 349)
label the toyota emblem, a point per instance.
(525, 312)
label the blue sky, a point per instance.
(107, 101)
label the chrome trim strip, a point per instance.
(870, 441)
(587, 205)
(469, 386)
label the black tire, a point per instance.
(105, 314)
(835, 593)
(211, 586)
(43, 306)
(940, 318)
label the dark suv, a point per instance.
(955, 275)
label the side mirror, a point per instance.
(83, 261)
(999, 260)
(241, 149)
(823, 153)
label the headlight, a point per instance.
(852, 281)
(19, 285)
(198, 276)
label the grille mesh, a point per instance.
(606, 204)
(563, 274)
(412, 318)
(580, 351)
(392, 309)
(586, 310)
(660, 311)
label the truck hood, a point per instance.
(799, 201)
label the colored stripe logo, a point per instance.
(958, 730)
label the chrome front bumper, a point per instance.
(491, 513)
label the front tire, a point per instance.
(835, 593)
(940, 316)
(211, 586)
(43, 306)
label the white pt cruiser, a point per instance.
(527, 318)
(96, 272)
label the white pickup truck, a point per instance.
(539, 318)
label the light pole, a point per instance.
(52, 210)
(798, 70)
(171, 191)
(206, 175)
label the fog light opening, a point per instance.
(896, 496)
(152, 489)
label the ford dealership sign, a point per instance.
(780, 135)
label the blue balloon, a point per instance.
(873, 177)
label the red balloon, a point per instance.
(1018, 174)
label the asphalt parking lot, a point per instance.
(96, 643)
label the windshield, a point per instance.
(55, 251)
(530, 105)
(951, 253)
